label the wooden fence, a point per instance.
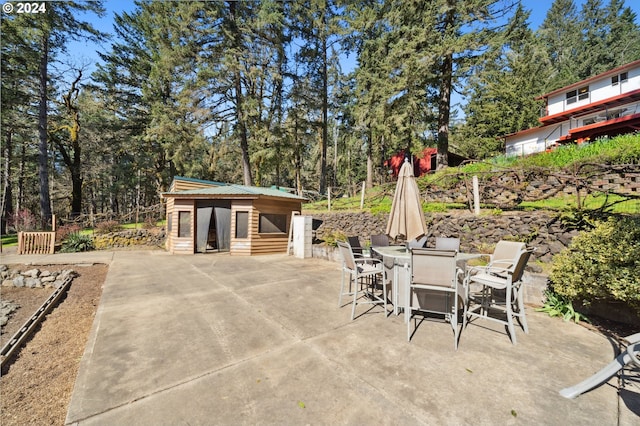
(36, 242)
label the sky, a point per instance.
(86, 52)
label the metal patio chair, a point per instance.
(367, 278)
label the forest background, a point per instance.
(253, 92)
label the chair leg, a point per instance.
(342, 288)
(355, 300)
(384, 294)
(521, 314)
(510, 315)
(454, 322)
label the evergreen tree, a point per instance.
(501, 92)
(316, 25)
(46, 34)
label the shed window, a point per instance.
(272, 223)
(184, 224)
(242, 224)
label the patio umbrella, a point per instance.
(406, 218)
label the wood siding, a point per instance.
(255, 243)
(185, 185)
(242, 246)
(271, 243)
(175, 244)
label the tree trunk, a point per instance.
(21, 177)
(325, 116)
(370, 160)
(237, 81)
(73, 161)
(444, 101)
(43, 154)
(7, 195)
(444, 105)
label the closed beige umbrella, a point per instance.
(406, 218)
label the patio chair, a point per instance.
(630, 355)
(379, 240)
(494, 278)
(443, 243)
(366, 275)
(433, 271)
(354, 242)
(417, 243)
(504, 253)
(502, 258)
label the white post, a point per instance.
(362, 196)
(329, 198)
(476, 196)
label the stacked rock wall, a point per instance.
(477, 233)
(34, 278)
(130, 238)
(506, 189)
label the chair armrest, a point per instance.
(371, 260)
(508, 262)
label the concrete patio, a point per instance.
(216, 339)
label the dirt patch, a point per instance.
(37, 385)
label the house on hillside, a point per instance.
(205, 216)
(607, 104)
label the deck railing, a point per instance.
(36, 242)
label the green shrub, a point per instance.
(76, 243)
(63, 232)
(332, 237)
(107, 227)
(601, 264)
(556, 305)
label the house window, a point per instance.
(581, 94)
(621, 78)
(242, 224)
(184, 224)
(272, 224)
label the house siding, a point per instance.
(570, 118)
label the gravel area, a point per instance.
(37, 384)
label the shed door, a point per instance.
(222, 213)
(204, 215)
(214, 224)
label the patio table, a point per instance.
(397, 262)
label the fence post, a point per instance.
(329, 198)
(362, 196)
(476, 196)
(20, 242)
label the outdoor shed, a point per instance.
(205, 216)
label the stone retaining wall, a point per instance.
(129, 238)
(477, 233)
(34, 278)
(507, 189)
